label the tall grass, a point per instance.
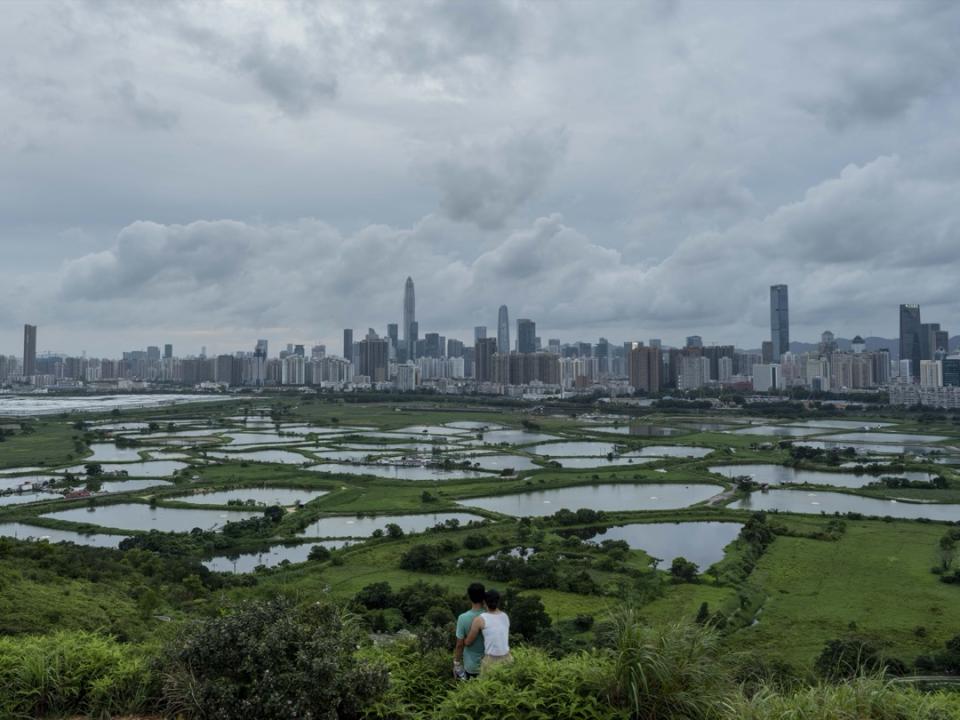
(863, 698)
(71, 672)
(667, 672)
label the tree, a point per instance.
(422, 558)
(527, 614)
(376, 596)
(93, 469)
(394, 531)
(682, 570)
(319, 553)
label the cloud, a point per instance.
(848, 262)
(888, 62)
(624, 168)
(485, 182)
(143, 107)
(288, 75)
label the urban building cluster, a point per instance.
(919, 370)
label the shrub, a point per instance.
(534, 687)
(422, 558)
(66, 673)
(848, 658)
(475, 542)
(419, 681)
(376, 596)
(269, 660)
(527, 614)
(319, 553)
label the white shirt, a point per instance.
(496, 634)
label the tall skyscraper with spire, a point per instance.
(503, 330)
(409, 314)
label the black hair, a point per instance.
(493, 599)
(476, 592)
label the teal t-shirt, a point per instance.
(472, 654)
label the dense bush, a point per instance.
(269, 660)
(847, 658)
(422, 558)
(534, 687)
(70, 673)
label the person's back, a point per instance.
(495, 628)
(469, 657)
(496, 633)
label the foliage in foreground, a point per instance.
(270, 660)
(68, 673)
(666, 672)
(277, 659)
(863, 698)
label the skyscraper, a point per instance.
(409, 315)
(479, 332)
(779, 321)
(167, 351)
(348, 344)
(503, 330)
(29, 349)
(484, 351)
(374, 357)
(526, 336)
(910, 343)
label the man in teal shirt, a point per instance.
(466, 658)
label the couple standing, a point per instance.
(483, 634)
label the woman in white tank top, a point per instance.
(495, 626)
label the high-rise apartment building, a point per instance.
(374, 357)
(484, 350)
(779, 321)
(526, 336)
(503, 330)
(29, 350)
(931, 373)
(454, 348)
(910, 340)
(432, 346)
(644, 367)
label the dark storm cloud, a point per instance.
(212, 170)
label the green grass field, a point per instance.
(874, 580)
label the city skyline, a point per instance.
(524, 154)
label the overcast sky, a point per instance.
(208, 174)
